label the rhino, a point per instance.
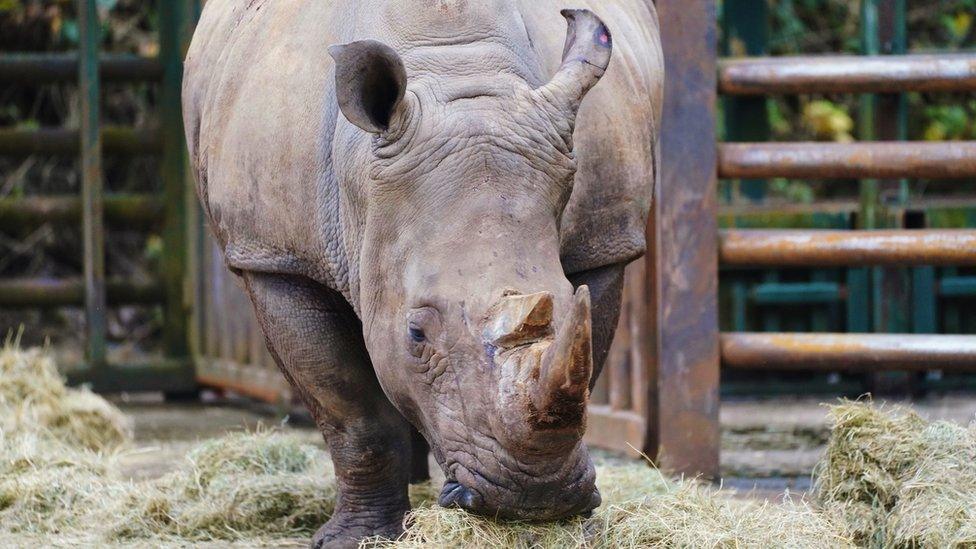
(430, 205)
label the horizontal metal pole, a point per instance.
(857, 352)
(957, 286)
(45, 68)
(61, 141)
(798, 293)
(847, 74)
(164, 375)
(139, 211)
(883, 160)
(41, 292)
(830, 248)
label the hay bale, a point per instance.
(896, 480)
(34, 399)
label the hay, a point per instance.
(680, 514)
(888, 479)
(896, 480)
(234, 488)
(34, 399)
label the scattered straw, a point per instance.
(679, 514)
(232, 488)
(888, 479)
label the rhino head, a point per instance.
(475, 332)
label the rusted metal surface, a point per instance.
(684, 431)
(46, 292)
(883, 160)
(849, 352)
(115, 140)
(46, 68)
(829, 248)
(140, 211)
(848, 74)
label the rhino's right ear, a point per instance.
(370, 83)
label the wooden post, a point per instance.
(92, 184)
(683, 420)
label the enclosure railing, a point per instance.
(687, 388)
(93, 208)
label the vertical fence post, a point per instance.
(92, 184)
(746, 118)
(172, 31)
(884, 117)
(684, 422)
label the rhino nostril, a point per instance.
(454, 494)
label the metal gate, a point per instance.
(685, 419)
(93, 209)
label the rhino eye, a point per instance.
(417, 335)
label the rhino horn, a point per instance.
(559, 395)
(586, 56)
(518, 319)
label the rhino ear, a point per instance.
(370, 83)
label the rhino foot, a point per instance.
(345, 530)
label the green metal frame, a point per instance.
(175, 372)
(893, 300)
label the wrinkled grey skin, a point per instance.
(426, 241)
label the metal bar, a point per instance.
(163, 376)
(173, 35)
(115, 140)
(958, 286)
(952, 160)
(782, 293)
(683, 423)
(92, 184)
(41, 292)
(848, 74)
(46, 68)
(746, 118)
(140, 211)
(823, 248)
(884, 117)
(849, 352)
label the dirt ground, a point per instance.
(769, 447)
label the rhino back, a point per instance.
(260, 114)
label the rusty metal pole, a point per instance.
(684, 403)
(92, 184)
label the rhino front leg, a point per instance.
(317, 342)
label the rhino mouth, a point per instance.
(545, 501)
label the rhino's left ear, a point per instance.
(586, 56)
(370, 83)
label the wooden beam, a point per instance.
(684, 403)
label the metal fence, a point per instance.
(94, 208)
